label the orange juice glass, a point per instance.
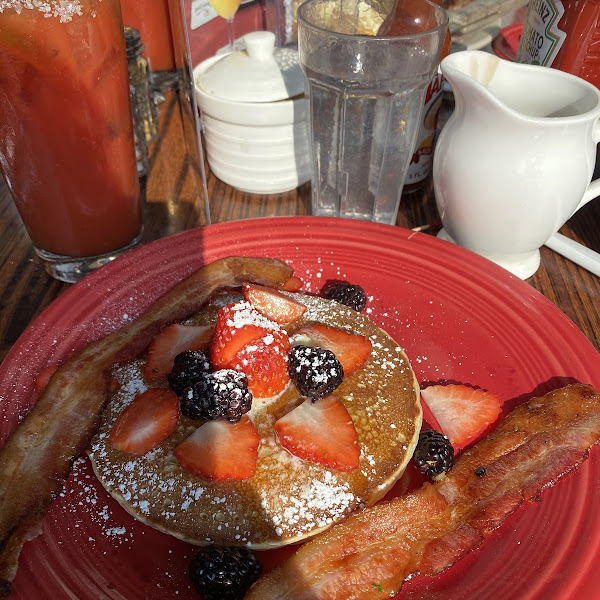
(152, 19)
(66, 134)
(226, 8)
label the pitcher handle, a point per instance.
(593, 190)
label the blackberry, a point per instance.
(316, 372)
(220, 395)
(224, 573)
(434, 453)
(188, 367)
(348, 294)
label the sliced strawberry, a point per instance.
(238, 324)
(321, 432)
(351, 349)
(273, 304)
(462, 412)
(293, 284)
(146, 422)
(170, 342)
(220, 450)
(265, 363)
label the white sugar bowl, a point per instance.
(255, 116)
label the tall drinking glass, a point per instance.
(190, 116)
(66, 134)
(152, 19)
(366, 100)
(175, 172)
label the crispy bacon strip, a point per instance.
(37, 457)
(427, 531)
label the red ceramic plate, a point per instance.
(459, 317)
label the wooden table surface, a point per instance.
(173, 204)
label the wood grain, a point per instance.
(173, 203)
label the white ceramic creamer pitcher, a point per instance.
(516, 157)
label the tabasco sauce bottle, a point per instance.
(564, 34)
(422, 159)
(421, 162)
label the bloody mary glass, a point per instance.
(66, 134)
(151, 18)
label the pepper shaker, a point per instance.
(143, 107)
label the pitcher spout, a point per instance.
(476, 66)
(520, 92)
(471, 74)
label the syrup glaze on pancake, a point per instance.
(288, 499)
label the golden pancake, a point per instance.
(288, 499)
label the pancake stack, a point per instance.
(288, 499)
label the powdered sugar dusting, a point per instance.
(243, 314)
(317, 503)
(85, 503)
(314, 277)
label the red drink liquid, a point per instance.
(151, 18)
(66, 133)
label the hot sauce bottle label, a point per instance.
(422, 159)
(541, 38)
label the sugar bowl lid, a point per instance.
(261, 73)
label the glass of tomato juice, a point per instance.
(152, 19)
(66, 134)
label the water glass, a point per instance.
(366, 99)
